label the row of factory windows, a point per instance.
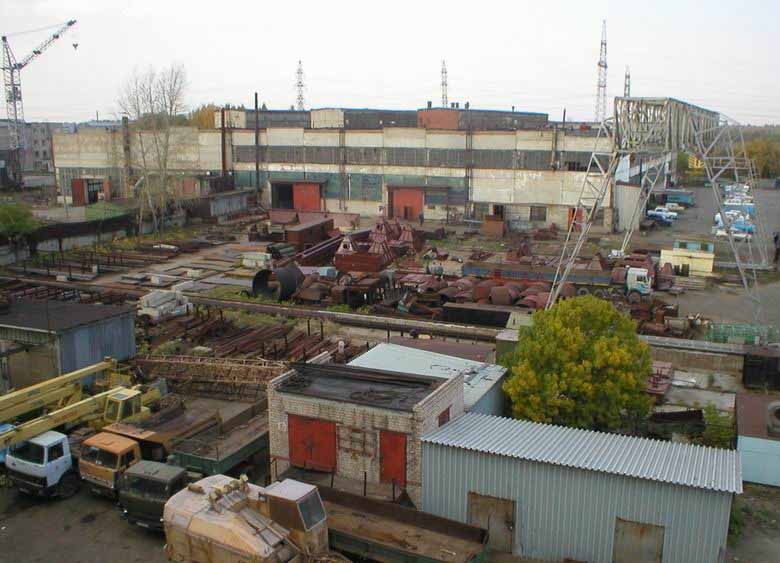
(418, 157)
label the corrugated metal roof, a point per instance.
(478, 377)
(57, 316)
(668, 462)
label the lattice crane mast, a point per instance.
(13, 84)
(653, 129)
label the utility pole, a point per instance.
(300, 86)
(627, 84)
(224, 148)
(257, 152)
(601, 86)
(444, 101)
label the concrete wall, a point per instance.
(327, 118)
(369, 420)
(626, 200)
(33, 365)
(760, 458)
(693, 360)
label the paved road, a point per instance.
(82, 529)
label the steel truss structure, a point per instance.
(653, 129)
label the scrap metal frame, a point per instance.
(662, 126)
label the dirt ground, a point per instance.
(759, 513)
(82, 529)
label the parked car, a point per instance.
(738, 235)
(674, 207)
(664, 210)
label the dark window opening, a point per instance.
(538, 213)
(444, 416)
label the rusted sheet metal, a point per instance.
(312, 443)
(637, 542)
(415, 534)
(306, 196)
(392, 458)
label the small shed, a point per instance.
(482, 381)
(42, 339)
(359, 428)
(758, 437)
(557, 493)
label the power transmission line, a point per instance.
(627, 84)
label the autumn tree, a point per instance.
(154, 101)
(203, 116)
(766, 152)
(581, 365)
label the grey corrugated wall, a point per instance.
(563, 512)
(89, 344)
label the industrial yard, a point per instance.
(405, 324)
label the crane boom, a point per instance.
(77, 412)
(45, 44)
(13, 89)
(41, 394)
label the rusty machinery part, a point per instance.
(287, 280)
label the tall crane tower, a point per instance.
(13, 86)
(601, 85)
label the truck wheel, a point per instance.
(634, 297)
(583, 291)
(69, 485)
(601, 293)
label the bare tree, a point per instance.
(152, 100)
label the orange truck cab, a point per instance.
(104, 458)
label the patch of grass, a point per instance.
(238, 294)
(736, 522)
(170, 348)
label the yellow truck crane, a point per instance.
(53, 393)
(41, 461)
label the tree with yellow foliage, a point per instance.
(581, 364)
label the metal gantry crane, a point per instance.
(653, 129)
(13, 85)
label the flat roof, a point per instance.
(474, 351)
(155, 470)
(478, 377)
(110, 442)
(57, 316)
(751, 410)
(673, 463)
(47, 438)
(362, 386)
(289, 489)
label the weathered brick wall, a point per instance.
(426, 418)
(358, 428)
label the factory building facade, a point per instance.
(441, 163)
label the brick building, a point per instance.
(357, 423)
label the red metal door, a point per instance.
(78, 191)
(407, 203)
(312, 443)
(306, 196)
(392, 458)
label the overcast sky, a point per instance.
(537, 56)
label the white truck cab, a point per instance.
(638, 281)
(43, 466)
